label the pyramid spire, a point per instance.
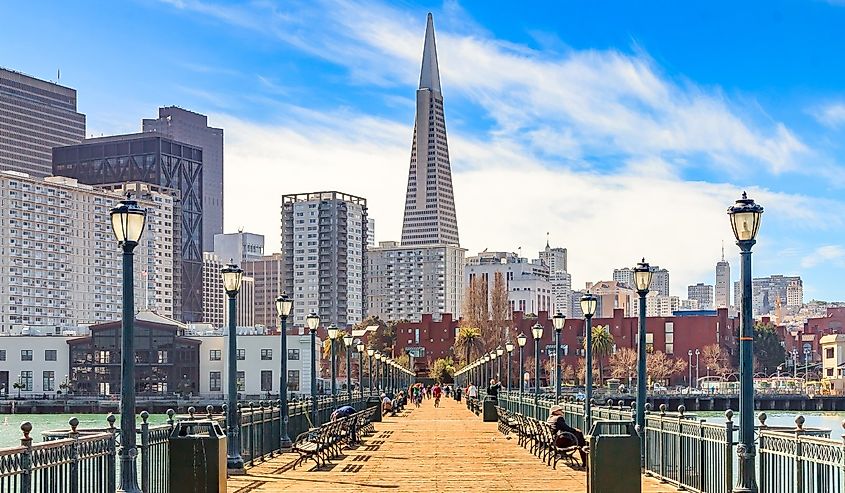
(430, 73)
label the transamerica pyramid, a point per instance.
(429, 202)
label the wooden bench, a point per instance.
(540, 438)
(323, 443)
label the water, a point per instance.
(826, 420)
(10, 424)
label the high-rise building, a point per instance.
(767, 290)
(656, 305)
(324, 239)
(37, 116)
(659, 279)
(429, 202)
(238, 247)
(157, 161)
(215, 311)
(59, 259)
(404, 282)
(702, 293)
(795, 293)
(554, 258)
(561, 292)
(723, 282)
(269, 283)
(371, 232)
(192, 128)
(527, 283)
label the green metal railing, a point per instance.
(76, 460)
(800, 461)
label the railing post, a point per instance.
(702, 451)
(661, 441)
(842, 466)
(111, 469)
(74, 455)
(729, 448)
(251, 433)
(763, 483)
(26, 458)
(145, 451)
(682, 459)
(799, 476)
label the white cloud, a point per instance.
(831, 115)
(826, 254)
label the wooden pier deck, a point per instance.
(446, 449)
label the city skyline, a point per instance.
(353, 124)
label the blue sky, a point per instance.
(624, 130)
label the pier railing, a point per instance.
(84, 460)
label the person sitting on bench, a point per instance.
(557, 421)
(343, 412)
(386, 404)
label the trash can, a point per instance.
(489, 413)
(197, 456)
(614, 458)
(458, 394)
(375, 401)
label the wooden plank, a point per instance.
(429, 449)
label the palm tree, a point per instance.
(469, 338)
(602, 347)
(340, 354)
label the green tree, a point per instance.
(469, 339)
(602, 347)
(442, 370)
(768, 348)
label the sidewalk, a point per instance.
(445, 449)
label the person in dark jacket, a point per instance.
(557, 421)
(343, 412)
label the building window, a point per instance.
(162, 357)
(293, 354)
(214, 381)
(828, 353)
(241, 384)
(48, 382)
(266, 354)
(241, 354)
(26, 355)
(215, 355)
(50, 355)
(26, 380)
(2, 355)
(293, 380)
(103, 357)
(266, 380)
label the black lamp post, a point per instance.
(642, 278)
(499, 353)
(537, 332)
(284, 305)
(520, 341)
(347, 342)
(370, 353)
(232, 275)
(360, 348)
(333, 332)
(558, 321)
(745, 220)
(509, 349)
(588, 307)
(378, 372)
(493, 365)
(313, 321)
(128, 220)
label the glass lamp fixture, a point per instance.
(521, 339)
(284, 305)
(745, 218)
(232, 275)
(642, 276)
(558, 321)
(589, 303)
(537, 331)
(127, 222)
(312, 321)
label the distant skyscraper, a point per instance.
(371, 232)
(723, 282)
(36, 116)
(238, 247)
(324, 238)
(767, 290)
(702, 293)
(192, 128)
(554, 258)
(429, 202)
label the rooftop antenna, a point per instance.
(547, 239)
(723, 250)
(58, 74)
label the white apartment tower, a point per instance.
(702, 293)
(324, 239)
(215, 302)
(429, 203)
(723, 282)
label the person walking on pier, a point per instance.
(436, 392)
(558, 422)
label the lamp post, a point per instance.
(745, 218)
(589, 303)
(499, 353)
(378, 372)
(127, 220)
(537, 332)
(642, 278)
(333, 333)
(558, 321)
(689, 366)
(795, 363)
(493, 364)
(807, 352)
(232, 275)
(509, 349)
(520, 341)
(360, 348)
(284, 305)
(347, 341)
(313, 321)
(697, 353)
(370, 353)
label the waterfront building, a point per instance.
(702, 293)
(723, 282)
(324, 239)
(429, 216)
(37, 116)
(59, 260)
(192, 128)
(427, 340)
(38, 361)
(833, 361)
(158, 161)
(405, 282)
(238, 247)
(269, 283)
